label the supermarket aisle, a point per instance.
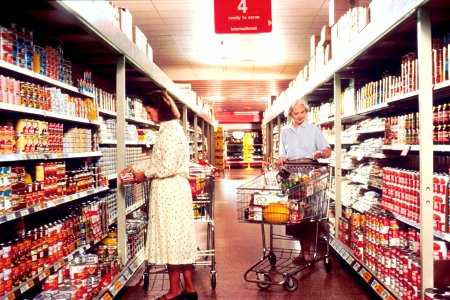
(238, 246)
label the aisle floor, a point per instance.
(238, 246)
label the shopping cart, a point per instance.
(292, 194)
(201, 180)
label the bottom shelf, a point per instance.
(360, 269)
(120, 280)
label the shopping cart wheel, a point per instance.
(213, 281)
(327, 263)
(146, 282)
(264, 280)
(272, 258)
(291, 284)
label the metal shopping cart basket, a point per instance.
(294, 193)
(201, 179)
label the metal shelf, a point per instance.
(43, 79)
(364, 272)
(46, 205)
(46, 114)
(122, 278)
(48, 156)
(23, 287)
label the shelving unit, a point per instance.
(404, 26)
(91, 41)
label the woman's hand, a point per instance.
(127, 175)
(139, 177)
(317, 155)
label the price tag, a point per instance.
(356, 266)
(11, 296)
(70, 257)
(350, 260)
(390, 297)
(127, 274)
(345, 255)
(106, 296)
(23, 288)
(405, 150)
(42, 276)
(10, 217)
(385, 295)
(57, 266)
(115, 288)
(377, 287)
(365, 274)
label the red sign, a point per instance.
(243, 16)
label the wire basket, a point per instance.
(286, 195)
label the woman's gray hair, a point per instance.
(288, 110)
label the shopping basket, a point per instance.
(291, 194)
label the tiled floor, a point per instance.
(238, 246)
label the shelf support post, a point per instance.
(121, 155)
(424, 38)
(337, 150)
(184, 119)
(195, 138)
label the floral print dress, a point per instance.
(171, 237)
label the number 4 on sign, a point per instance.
(243, 6)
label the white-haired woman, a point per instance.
(301, 141)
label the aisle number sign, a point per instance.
(243, 16)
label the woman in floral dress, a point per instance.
(171, 238)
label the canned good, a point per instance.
(61, 296)
(43, 296)
(50, 284)
(77, 271)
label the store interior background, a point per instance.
(242, 83)
(237, 75)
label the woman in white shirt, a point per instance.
(302, 142)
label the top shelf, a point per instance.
(367, 38)
(91, 15)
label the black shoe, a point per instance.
(190, 296)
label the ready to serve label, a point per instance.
(242, 16)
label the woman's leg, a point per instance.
(174, 281)
(188, 275)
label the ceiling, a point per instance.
(232, 72)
